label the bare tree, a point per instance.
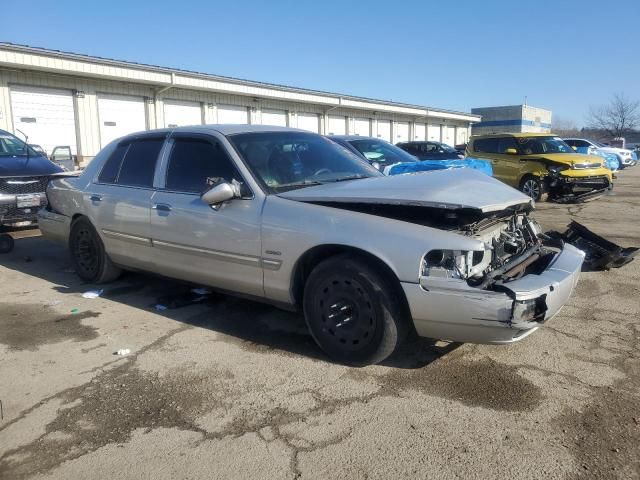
(620, 116)
(564, 128)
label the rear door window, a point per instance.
(139, 164)
(109, 173)
(196, 164)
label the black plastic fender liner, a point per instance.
(601, 254)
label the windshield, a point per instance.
(541, 145)
(378, 151)
(283, 161)
(11, 146)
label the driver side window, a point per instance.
(197, 164)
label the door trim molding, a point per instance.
(126, 237)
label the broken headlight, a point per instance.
(556, 169)
(451, 263)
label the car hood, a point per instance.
(567, 158)
(27, 167)
(449, 189)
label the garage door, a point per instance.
(274, 117)
(384, 130)
(362, 126)
(433, 133)
(309, 121)
(461, 135)
(337, 125)
(120, 115)
(45, 115)
(178, 113)
(420, 131)
(449, 135)
(232, 114)
(402, 132)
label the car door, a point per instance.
(118, 201)
(193, 241)
(508, 164)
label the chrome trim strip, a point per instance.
(217, 254)
(126, 237)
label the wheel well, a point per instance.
(311, 258)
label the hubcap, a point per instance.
(531, 188)
(86, 252)
(347, 314)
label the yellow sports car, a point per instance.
(541, 165)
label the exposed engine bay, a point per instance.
(513, 247)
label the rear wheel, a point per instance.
(535, 188)
(353, 311)
(90, 260)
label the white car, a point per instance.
(626, 157)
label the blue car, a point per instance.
(392, 160)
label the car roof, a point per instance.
(348, 138)
(511, 134)
(224, 129)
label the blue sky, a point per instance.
(562, 55)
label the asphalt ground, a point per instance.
(218, 387)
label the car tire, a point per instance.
(353, 311)
(535, 188)
(6, 243)
(90, 260)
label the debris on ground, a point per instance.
(92, 293)
(122, 352)
(74, 310)
(601, 254)
(54, 303)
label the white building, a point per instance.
(59, 98)
(512, 119)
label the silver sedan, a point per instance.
(291, 218)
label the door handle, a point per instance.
(161, 207)
(95, 198)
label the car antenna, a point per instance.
(26, 142)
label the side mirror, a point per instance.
(511, 151)
(220, 193)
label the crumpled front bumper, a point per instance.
(451, 310)
(11, 214)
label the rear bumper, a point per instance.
(54, 226)
(451, 310)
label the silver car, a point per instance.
(291, 218)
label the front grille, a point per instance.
(20, 185)
(583, 166)
(12, 214)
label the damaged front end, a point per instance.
(564, 188)
(520, 279)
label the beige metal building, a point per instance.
(59, 98)
(512, 119)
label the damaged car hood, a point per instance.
(449, 189)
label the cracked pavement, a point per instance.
(226, 388)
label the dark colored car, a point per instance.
(430, 150)
(24, 173)
(377, 152)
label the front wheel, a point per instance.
(90, 260)
(353, 311)
(6, 243)
(534, 187)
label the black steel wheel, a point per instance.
(6, 243)
(353, 311)
(91, 262)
